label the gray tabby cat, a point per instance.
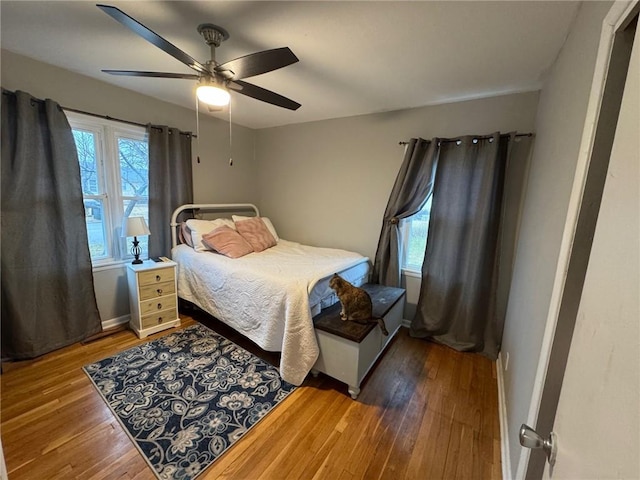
(356, 303)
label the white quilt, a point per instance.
(265, 295)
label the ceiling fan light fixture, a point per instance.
(214, 79)
(213, 95)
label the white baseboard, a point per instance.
(405, 323)
(114, 322)
(505, 457)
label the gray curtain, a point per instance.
(412, 187)
(170, 183)
(469, 254)
(48, 299)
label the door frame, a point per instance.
(619, 13)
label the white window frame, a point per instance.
(107, 133)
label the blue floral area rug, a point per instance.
(187, 397)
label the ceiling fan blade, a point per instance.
(135, 73)
(259, 93)
(258, 63)
(152, 37)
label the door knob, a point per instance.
(529, 438)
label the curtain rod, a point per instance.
(107, 117)
(479, 138)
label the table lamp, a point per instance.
(134, 227)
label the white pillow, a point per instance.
(202, 227)
(267, 222)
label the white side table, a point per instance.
(153, 297)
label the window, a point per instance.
(114, 171)
(414, 231)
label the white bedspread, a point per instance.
(264, 296)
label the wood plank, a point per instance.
(425, 411)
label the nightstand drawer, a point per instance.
(157, 304)
(159, 318)
(157, 290)
(159, 275)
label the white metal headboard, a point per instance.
(210, 207)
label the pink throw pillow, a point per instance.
(227, 241)
(256, 233)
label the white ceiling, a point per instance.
(355, 57)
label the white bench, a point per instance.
(348, 350)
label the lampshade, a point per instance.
(135, 227)
(213, 95)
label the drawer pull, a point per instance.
(159, 319)
(159, 291)
(158, 278)
(159, 306)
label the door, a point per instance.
(597, 419)
(592, 403)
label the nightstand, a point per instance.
(153, 297)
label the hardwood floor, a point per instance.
(425, 412)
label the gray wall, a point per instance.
(327, 183)
(322, 183)
(214, 180)
(559, 126)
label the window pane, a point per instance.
(134, 167)
(417, 241)
(113, 159)
(86, 147)
(134, 173)
(93, 212)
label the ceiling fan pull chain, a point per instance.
(230, 139)
(197, 132)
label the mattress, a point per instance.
(271, 296)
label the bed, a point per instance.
(268, 296)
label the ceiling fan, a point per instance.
(214, 79)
